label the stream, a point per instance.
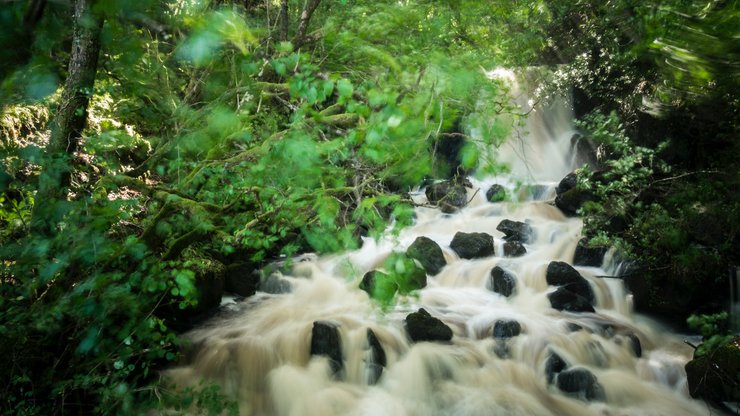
(260, 351)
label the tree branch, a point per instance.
(300, 37)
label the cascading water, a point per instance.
(260, 354)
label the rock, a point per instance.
(514, 249)
(428, 253)
(502, 281)
(276, 284)
(553, 366)
(580, 383)
(585, 151)
(506, 329)
(635, 345)
(240, 278)
(501, 348)
(448, 195)
(370, 279)
(571, 200)
(325, 340)
(496, 193)
(563, 299)
(516, 231)
(714, 375)
(378, 359)
(567, 183)
(563, 274)
(472, 245)
(574, 327)
(421, 326)
(588, 256)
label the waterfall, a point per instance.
(260, 353)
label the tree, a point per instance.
(70, 117)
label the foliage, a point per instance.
(401, 275)
(628, 171)
(713, 328)
(211, 141)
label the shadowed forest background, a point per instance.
(155, 154)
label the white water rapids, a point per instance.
(260, 355)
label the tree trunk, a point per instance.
(70, 117)
(283, 20)
(308, 9)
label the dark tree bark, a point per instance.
(283, 20)
(71, 115)
(308, 9)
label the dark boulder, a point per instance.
(428, 253)
(209, 284)
(421, 326)
(370, 280)
(448, 195)
(516, 231)
(564, 275)
(326, 341)
(501, 348)
(588, 256)
(502, 281)
(496, 193)
(581, 383)
(553, 366)
(240, 278)
(276, 284)
(635, 345)
(713, 376)
(585, 151)
(506, 329)
(563, 299)
(567, 183)
(472, 245)
(572, 200)
(514, 249)
(378, 359)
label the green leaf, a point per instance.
(344, 88)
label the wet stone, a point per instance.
(502, 281)
(472, 245)
(326, 341)
(580, 383)
(496, 193)
(635, 345)
(553, 366)
(563, 299)
(506, 329)
(428, 253)
(501, 349)
(378, 359)
(564, 275)
(514, 249)
(369, 281)
(567, 183)
(516, 231)
(448, 195)
(588, 256)
(421, 326)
